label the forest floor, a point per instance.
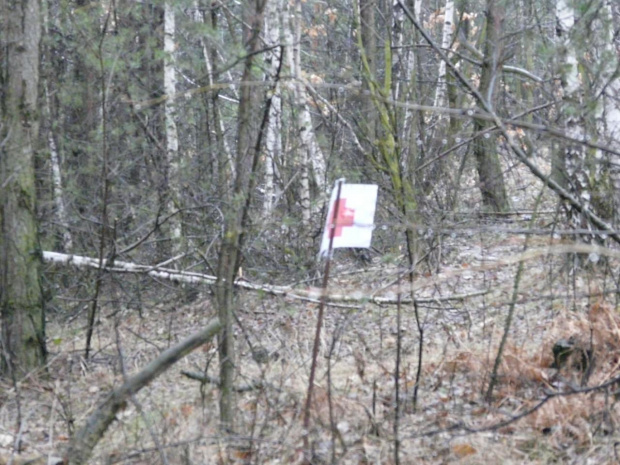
(537, 413)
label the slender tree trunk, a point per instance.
(490, 173)
(57, 186)
(273, 138)
(236, 218)
(446, 41)
(225, 164)
(172, 136)
(411, 136)
(570, 84)
(607, 187)
(369, 44)
(22, 336)
(310, 154)
(437, 173)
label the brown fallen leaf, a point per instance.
(463, 450)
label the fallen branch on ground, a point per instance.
(87, 437)
(203, 378)
(309, 294)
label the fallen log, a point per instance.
(310, 294)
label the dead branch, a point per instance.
(87, 437)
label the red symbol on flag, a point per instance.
(345, 217)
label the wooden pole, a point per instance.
(319, 322)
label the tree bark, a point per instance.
(369, 45)
(59, 192)
(309, 154)
(172, 135)
(225, 164)
(490, 173)
(446, 41)
(236, 218)
(273, 138)
(22, 336)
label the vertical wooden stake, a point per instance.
(397, 374)
(319, 322)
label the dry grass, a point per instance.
(175, 419)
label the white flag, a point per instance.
(355, 221)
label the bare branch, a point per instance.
(87, 437)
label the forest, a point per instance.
(166, 169)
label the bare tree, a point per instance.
(237, 216)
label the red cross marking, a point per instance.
(345, 217)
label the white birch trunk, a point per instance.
(446, 41)
(310, 151)
(311, 294)
(59, 196)
(608, 117)
(273, 137)
(172, 137)
(566, 20)
(304, 121)
(574, 155)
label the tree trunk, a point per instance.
(490, 173)
(410, 135)
(309, 154)
(446, 41)
(59, 192)
(273, 138)
(369, 45)
(570, 84)
(236, 218)
(225, 164)
(22, 336)
(607, 182)
(172, 136)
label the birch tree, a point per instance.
(172, 136)
(584, 83)
(608, 107)
(310, 155)
(22, 336)
(57, 184)
(447, 34)
(564, 164)
(273, 138)
(405, 64)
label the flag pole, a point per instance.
(331, 224)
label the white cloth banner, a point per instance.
(355, 222)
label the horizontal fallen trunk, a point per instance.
(87, 437)
(309, 294)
